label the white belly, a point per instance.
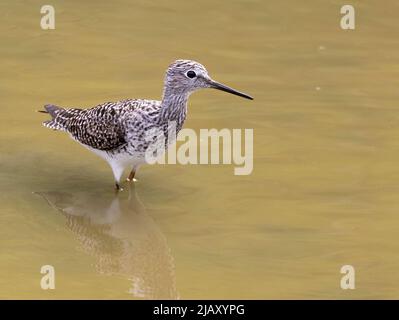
(119, 161)
(123, 159)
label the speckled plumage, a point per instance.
(116, 130)
(108, 126)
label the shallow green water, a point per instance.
(324, 188)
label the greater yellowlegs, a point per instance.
(116, 130)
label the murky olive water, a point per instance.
(323, 193)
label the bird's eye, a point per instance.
(191, 74)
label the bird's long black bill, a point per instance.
(219, 86)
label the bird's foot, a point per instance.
(118, 187)
(131, 176)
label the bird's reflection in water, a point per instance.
(124, 239)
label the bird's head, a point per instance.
(187, 76)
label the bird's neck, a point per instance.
(174, 107)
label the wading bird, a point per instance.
(116, 131)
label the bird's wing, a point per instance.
(101, 127)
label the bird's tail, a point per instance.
(53, 111)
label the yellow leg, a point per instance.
(131, 175)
